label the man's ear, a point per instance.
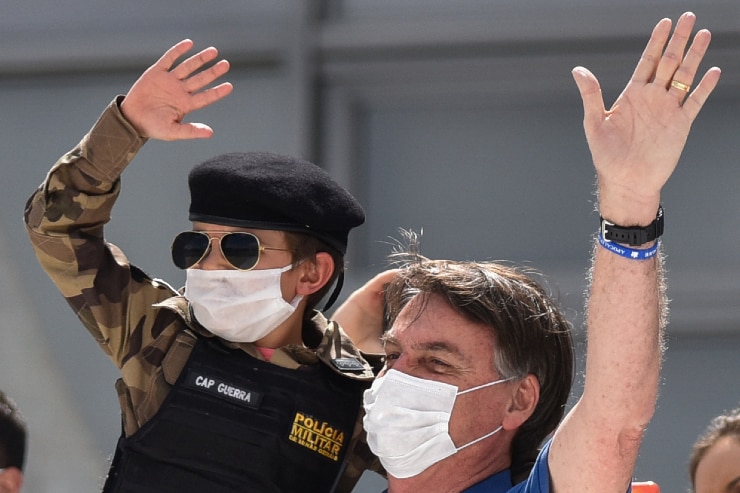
(11, 480)
(524, 400)
(315, 273)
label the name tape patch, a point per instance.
(223, 390)
(317, 435)
(348, 364)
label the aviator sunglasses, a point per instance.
(242, 250)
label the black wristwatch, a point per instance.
(633, 235)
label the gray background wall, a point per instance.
(459, 118)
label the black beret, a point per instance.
(272, 191)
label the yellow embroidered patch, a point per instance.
(317, 435)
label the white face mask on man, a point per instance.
(236, 305)
(407, 422)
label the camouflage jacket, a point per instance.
(141, 323)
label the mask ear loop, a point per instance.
(495, 382)
(335, 293)
(480, 439)
(488, 435)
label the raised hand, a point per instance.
(165, 93)
(361, 316)
(636, 144)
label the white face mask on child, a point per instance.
(236, 305)
(407, 422)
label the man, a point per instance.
(715, 457)
(237, 383)
(478, 358)
(12, 445)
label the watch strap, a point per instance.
(633, 235)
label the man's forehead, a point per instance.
(431, 314)
(438, 327)
(421, 342)
(455, 342)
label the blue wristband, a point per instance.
(628, 252)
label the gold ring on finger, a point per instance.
(680, 85)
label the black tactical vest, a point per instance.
(233, 423)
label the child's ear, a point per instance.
(315, 273)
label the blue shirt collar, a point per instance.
(501, 481)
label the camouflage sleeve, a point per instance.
(65, 218)
(361, 459)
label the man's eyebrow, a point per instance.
(731, 485)
(389, 339)
(432, 346)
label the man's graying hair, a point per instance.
(530, 334)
